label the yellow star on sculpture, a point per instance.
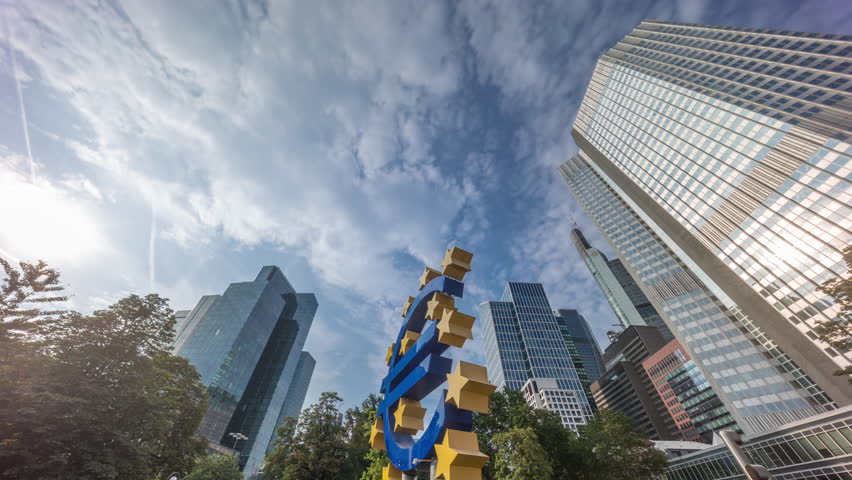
(389, 354)
(377, 434)
(440, 302)
(428, 275)
(468, 387)
(407, 306)
(408, 341)
(459, 457)
(455, 328)
(408, 418)
(456, 263)
(391, 473)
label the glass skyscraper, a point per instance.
(583, 347)
(716, 160)
(630, 304)
(696, 410)
(247, 346)
(523, 342)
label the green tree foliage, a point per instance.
(510, 411)
(838, 332)
(613, 448)
(314, 447)
(216, 467)
(520, 456)
(92, 397)
(24, 293)
(375, 460)
(606, 448)
(358, 422)
(325, 443)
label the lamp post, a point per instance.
(237, 437)
(735, 445)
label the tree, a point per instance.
(315, 447)
(376, 460)
(520, 456)
(838, 332)
(23, 293)
(97, 396)
(614, 449)
(358, 421)
(509, 410)
(362, 420)
(216, 467)
(276, 460)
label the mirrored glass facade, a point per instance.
(690, 400)
(749, 378)
(736, 144)
(523, 341)
(246, 344)
(295, 399)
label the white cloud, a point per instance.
(225, 138)
(81, 184)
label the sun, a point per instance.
(41, 220)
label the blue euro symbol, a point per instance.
(417, 374)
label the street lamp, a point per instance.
(735, 445)
(237, 437)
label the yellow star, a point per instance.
(407, 306)
(391, 473)
(459, 457)
(455, 328)
(440, 302)
(377, 434)
(408, 341)
(428, 275)
(409, 416)
(468, 387)
(389, 355)
(456, 263)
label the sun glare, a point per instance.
(43, 221)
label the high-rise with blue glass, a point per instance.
(583, 347)
(247, 346)
(526, 350)
(717, 162)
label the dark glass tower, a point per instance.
(581, 343)
(247, 345)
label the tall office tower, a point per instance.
(523, 342)
(761, 387)
(583, 347)
(247, 346)
(696, 410)
(630, 304)
(626, 388)
(731, 146)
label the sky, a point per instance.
(177, 147)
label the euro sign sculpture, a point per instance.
(416, 368)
